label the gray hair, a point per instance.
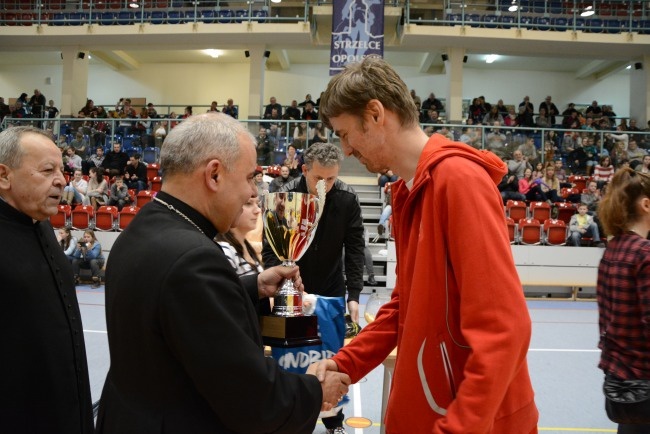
(201, 138)
(11, 152)
(326, 154)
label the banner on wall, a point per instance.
(357, 32)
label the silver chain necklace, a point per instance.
(171, 208)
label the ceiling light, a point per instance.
(628, 67)
(513, 8)
(134, 5)
(589, 11)
(213, 53)
(491, 58)
(276, 1)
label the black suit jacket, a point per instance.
(44, 384)
(186, 352)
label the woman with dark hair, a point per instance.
(293, 162)
(97, 193)
(239, 251)
(67, 241)
(623, 294)
(604, 171)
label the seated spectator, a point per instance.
(240, 252)
(528, 150)
(432, 103)
(88, 254)
(644, 167)
(95, 160)
(550, 185)
(115, 161)
(530, 187)
(518, 164)
(279, 181)
(385, 177)
(502, 109)
(79, 144)
(151, 111)
(231, 109)
(264, 148)
(119, 194)
(293, 112)
(604, 171)
(431, 117)
(525, 118)
(471, 136)
(538, 172)
(496, 140)
(293, 162)
(620, 136)
(561, 174)
(273, 116)
(307, 100)
(594, 110)
(143, 125)
(571, 122)
(543, 120)
(577, 159)
(97, 193)
(634, 153)
(511, 119)
(583, 225)
(386, 212)
(591, 198)
(262, 186)
(550, 110)
(71, 161)
(318, 134)
(213, 107)
(135, 174)
(301, 135)
(571, 107)
(67, 241)
(309, 113)
(509, 188)
(476, 112)
(589, 125)
(187, 112)
(160, 132)
(619, 153)
(589, 146)
(75, 191)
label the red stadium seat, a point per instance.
(126, 215)
(516, 209)
(579, 181)
(530, 231)
(540, 211)
(565, 211)
(156, 183)
(144, 197)
(106, 218)
(153, 170)
(556, 232)
(62, 218)
(83, 217)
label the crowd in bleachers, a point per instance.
(552, 160)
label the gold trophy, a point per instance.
(290, 221)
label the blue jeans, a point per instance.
(592, 231)
(78, 197)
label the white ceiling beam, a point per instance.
(126, 61)
(426, 61)
(283, 59)
(591, 69)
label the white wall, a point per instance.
(193, 84)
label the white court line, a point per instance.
(562, 350)
(95, 331)
(356, 393)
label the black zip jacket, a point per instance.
(340, 226)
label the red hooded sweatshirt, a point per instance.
(457, 315)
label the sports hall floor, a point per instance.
(563, 360)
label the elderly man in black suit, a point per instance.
(44, 384)
(186, 351)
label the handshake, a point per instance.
(334, 384)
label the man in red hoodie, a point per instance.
(457, 315)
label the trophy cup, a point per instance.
(290, 221)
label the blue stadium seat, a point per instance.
(107, 19)
(642, 26)
(507, 21)
(578, 22)
(175, 17)
(150, 155)
(594, 25)
(226, 16)
(241, 15)
(77, 18)
(555, 8)
(454, 18)
(560, 24)
(191, 17)
(124, 18)
(542, 23)
(209, 16)
(526, 21)
(260, 16)
(158, 17)
(474, 20)
(490, 21)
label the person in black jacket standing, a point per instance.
(340, 227)
(44, 385)
(183, 332)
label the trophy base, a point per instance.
(289, 332)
